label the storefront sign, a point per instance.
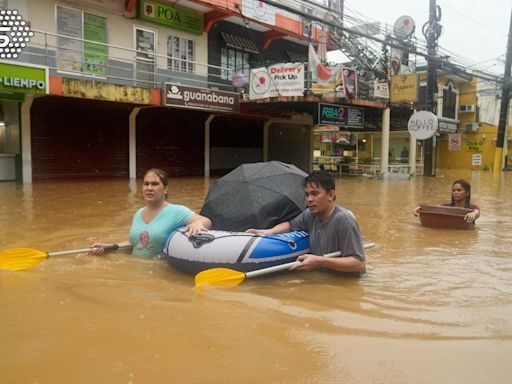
(474, 145)
(167, 15)
(446, 127)
(105, 91)
(381, 89)
(422, 125)
(23, 78)
(277, 80)
(258, 10)
(340, 115)
(183, 96)
(404, 88)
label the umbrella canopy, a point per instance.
(257, 195)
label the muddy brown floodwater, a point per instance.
(436, 306)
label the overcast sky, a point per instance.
(474, 30)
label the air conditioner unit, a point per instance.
(467, 108)
(472, 127)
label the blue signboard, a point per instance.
(334, 114)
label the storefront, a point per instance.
(338, 138)
(16, 82)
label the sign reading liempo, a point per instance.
(422, 125)
(183, 96)
(14, 34)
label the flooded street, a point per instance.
(436, 306)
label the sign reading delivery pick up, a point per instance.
(422, 125)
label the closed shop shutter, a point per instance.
(290, 143)
(171, 139)
(76, 138)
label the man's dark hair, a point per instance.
(322, 179)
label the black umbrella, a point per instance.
(257, 195)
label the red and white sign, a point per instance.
(454, 142)
(277, 80)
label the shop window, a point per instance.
(233, 61)
(450, 101)
(181, 53)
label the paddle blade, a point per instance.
(18, 259)
(219, 276)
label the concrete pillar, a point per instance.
(384, 161)
(132, 143)
(412, 155)
(207, 145)
(26, 139)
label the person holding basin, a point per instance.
(461, 198)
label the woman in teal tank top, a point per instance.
(152, 224)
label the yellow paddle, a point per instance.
(229, 277)
(18, 259)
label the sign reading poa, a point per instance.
(422, 125)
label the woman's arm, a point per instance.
(99, 248)
(197, 223)
(472, 216)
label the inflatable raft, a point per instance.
(235, 250)
(438, 216)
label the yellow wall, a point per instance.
(484, 139)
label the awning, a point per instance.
(239, 42)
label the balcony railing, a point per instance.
(69, 57)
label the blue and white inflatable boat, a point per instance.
(235, 250)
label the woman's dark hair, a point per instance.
(467, 187)
(162, 175)
(322, 179)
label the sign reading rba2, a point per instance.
(201, 98)
(340, 115)
(422, 125)
(14, 34)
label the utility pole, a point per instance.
(505, 99)
(431, 33)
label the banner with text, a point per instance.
(340, 115)
(277, 80)
(404, 88)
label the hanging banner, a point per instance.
(95, 55)
(277, 80)
(350, 82)
(324, 79)
(69, 51)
